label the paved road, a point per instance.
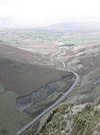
(58, 101)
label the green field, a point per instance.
(90, 37)
(11, 120)
(43, 42)
(17, 42)
(72, 39)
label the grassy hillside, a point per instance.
(11, 120)
(84, 58)
(8, 51)
(17, 78)
(18, 75)
(74, 120)
(24, 78)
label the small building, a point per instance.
(61, 43)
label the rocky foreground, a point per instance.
(70, 119)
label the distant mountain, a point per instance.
(76, 26)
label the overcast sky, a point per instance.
(27, 13)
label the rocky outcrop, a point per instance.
(42, 93)
(26, 101)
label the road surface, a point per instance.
(58, 101)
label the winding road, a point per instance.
(58, 101)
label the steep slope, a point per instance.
(19, 55)
(19, 78)
(18, 75)
(85, 59)
(23, 78)
(71, 119)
